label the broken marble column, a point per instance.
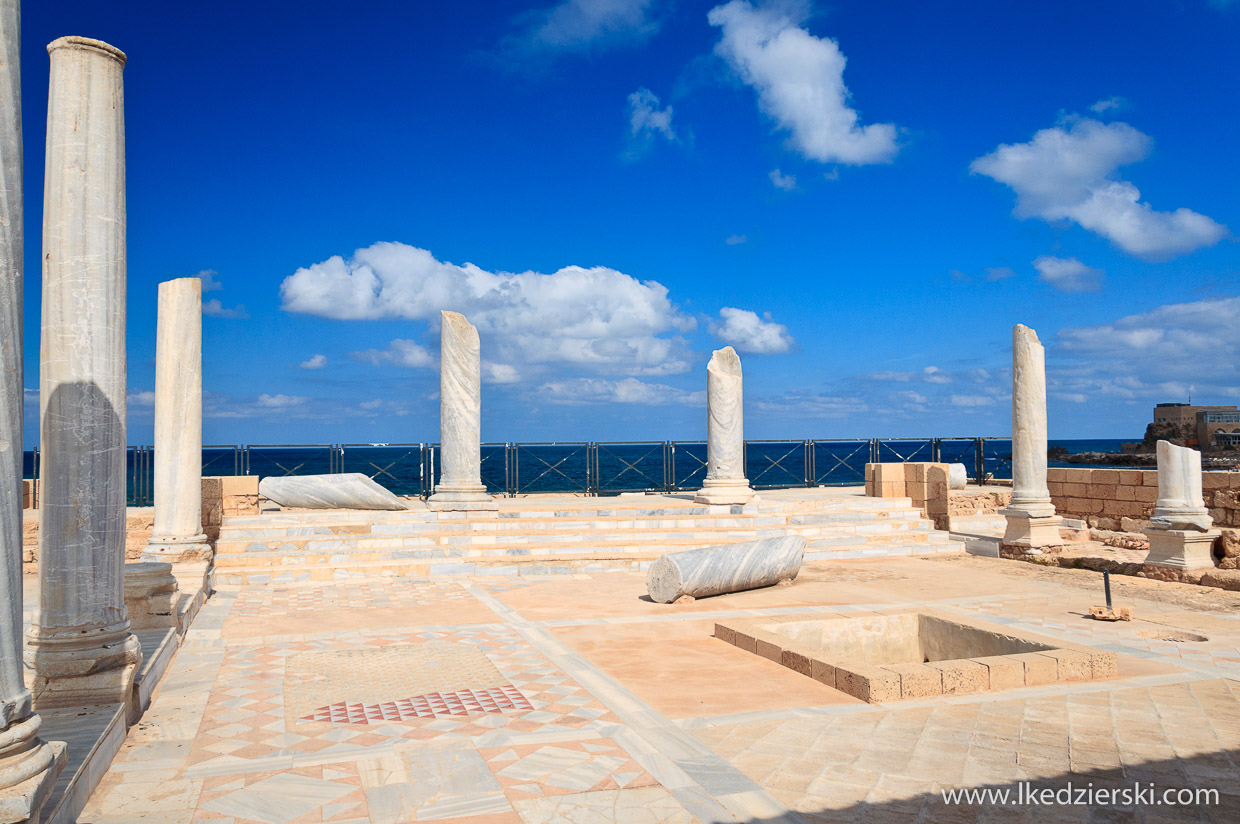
(725, 481)
(460, 484)
(177, 533)
(715, 570)
(1031, 519)
(80, 647)
(28, 765)
(350, 490)
(152, 595)
(1180, 530)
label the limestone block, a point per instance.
(798, 659)
(351, 490)
(824, 672)
(958, 475)
(1004, 673)
(962, 676)
(917, 680)
(151, 594)
(725, 633)
(717, 570)
(871, 684)
(768, 649)
(1070, 664)
(1039, 669)
(1181, 548)
(1105, 664)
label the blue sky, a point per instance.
(862, 197)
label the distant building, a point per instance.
(1218, 427)
(1207, 425)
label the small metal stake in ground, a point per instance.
(1109, 613)
(1106, 586)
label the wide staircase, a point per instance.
(547, 535)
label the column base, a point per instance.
(724, 491)
(461, 498)
(1181, 518)
(151, 595)
(1026, 530)
(73, 668)
(177, 548)
(1181, 548)
(34, 775)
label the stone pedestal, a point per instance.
(29, 766)
(177, 534)
(80, 647)
(725, 481)
(151, 595)
(460, 484)
(1181, 548)
(1031, 519)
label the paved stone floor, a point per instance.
(574, 699)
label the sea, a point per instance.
(597, 468)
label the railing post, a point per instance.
(979, 460)
(936, 450)
(805, 463)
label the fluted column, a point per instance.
(460, 485)
(1031, 518)
(28, 765)
(725, 437)
(177, 534)
(81, 647)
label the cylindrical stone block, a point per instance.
(460, 417)
(1029, 490)
(81, 647)
(725, 436)
(28, 766)
(177, 533)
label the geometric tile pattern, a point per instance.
(430, 705)
(534, 771)
(275, 600)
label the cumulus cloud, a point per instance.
(746, 332)
(799, 79)
(647, 121)
(581, 26)
(213, 308)
(140, 398)
(594, 319)
(400, 352)
(1108, 104)
(968, 401)
(280, 401)
(209, 281)
(736, 240)
(1068, 274)
(1159, 355)
(584, 391)
(810, 405)
(1068, 173)
(782, 181)
(314, 362)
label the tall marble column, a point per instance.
(28, 765)
(177, 534)
(1031, 519)
(81, 647)
(725, 438)
(1180, 529)
(460, 485)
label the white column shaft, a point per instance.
(725, 432)
(1028, 420)
(460, 485)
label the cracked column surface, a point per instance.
(177, 534)
(81, 647)
(1031, 518)
(460, 485)
(725, 437)
(28, 765)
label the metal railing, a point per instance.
(580, 467)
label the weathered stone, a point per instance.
(151, 595)
(1039, 669)
(725, 481)
(178, 531)
(962, 676)
(1004, 672)
(957, 476)
(1180, 503)
(28, 765)
(1031, 518)
(460, 484)
(1181, 548)
(80, 646)
(917, 680)
(871, 684)
(350, 490)
(715, 570)
(1071, 665)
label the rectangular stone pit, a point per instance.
(881, 657)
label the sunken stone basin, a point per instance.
(891, 656)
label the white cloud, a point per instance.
(583, 391)
(1068, 274)
(646, 120)
(736, 240)
(579, 26)
(214, 309)
(280, 401)
(972, 400)
(368, 405)
(1068, 173)
(997, 273)
(933, 374)
(499, 373)
(314, 362)
(209, 283)
(783, 181)
(595, 319)
(799, 79)
(810, 405)
(400, 352)
(1108, 104)
(747, 332)
(140, 398)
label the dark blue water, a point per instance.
(599, 468)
